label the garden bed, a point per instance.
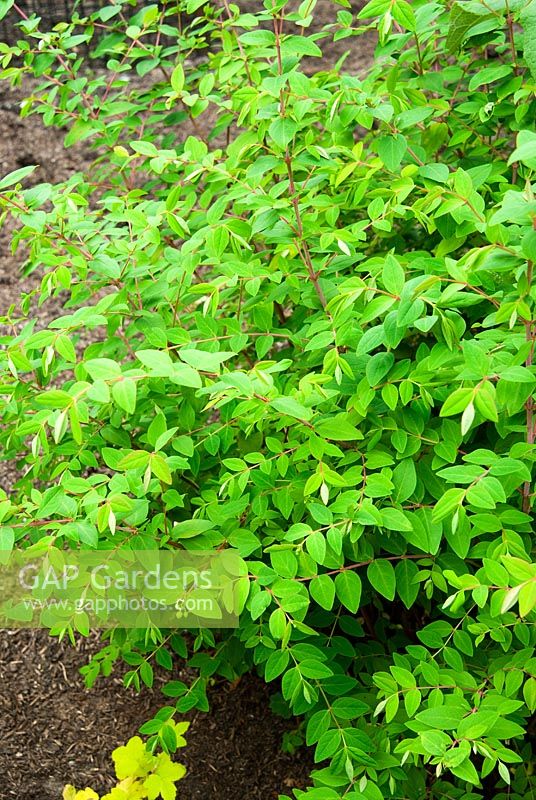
(55, 731)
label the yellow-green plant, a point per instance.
(141, 774)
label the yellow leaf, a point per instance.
(132, 759)
(70, 793)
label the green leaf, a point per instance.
(443, 718)
(461, 21)
(282, 131)
(371, 339)
(174, 689)
(528, 248)
(65, 348)
(189, 528)
(124, 394)
(200, 359)
(391, 150)
(393, 275)
(217, 241)
(291, 407)
(403, 677)
(277, 623)
(322, 590)
(405, 482)
(300, 335)
(276, 664)
(19, 174)
(403, 13)
(5, 7)
(395, 520)
(349, 708)
(528, 22)
(177, 79)
(412, 701)
(102, 368)
(374, 8)
(466, 771)
(262, 38)
(489, 75)
(317, 725)
(378, 366)
(529, 693)
(99, 392)
(259, 604)
(136, 459)
(316, 546)
(435, 743)
(477, 725)
(158, 362)
(406, 573)
(160, 468)
(284, 562)
(480, 496)
(468, 417)
(457, 402)
(435, 172)
(525, 150)
(185, 376)
(527, 598)
(504, 773)
(381, 575)
(338, 429)
(54, 398)
(7, 540)
(348, 589)
(301, 46)
(448, 504)
(328, 744)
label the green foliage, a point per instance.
(311, 306)
(141, 774)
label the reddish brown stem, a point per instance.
(360, 564)
(239, 43)
(20, 12)
(510, 24)
(303, 246)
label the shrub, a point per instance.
(310, 298)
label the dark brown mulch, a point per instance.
(54, 731)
